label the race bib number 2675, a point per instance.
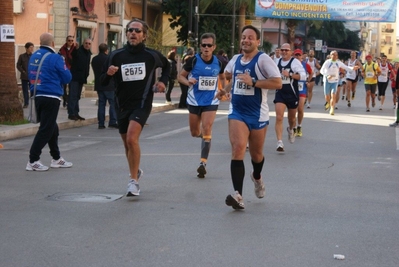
(133, 72)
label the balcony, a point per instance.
(150, 3)
(387, 30)
(383, 43)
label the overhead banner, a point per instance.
(349, 10)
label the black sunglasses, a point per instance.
(137, 30)
(297, 55)
(206, 45)
(285, 50)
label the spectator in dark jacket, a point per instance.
(172, 76)
(80, 69)
(22, 66)
(184, 88)
(105, 93)
(52, 75)
(66, 52)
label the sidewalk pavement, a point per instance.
(88, 110)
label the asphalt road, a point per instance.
(334, 191)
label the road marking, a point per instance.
(183, 129)
(76, 144)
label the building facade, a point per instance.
(101, 20)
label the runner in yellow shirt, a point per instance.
(370, 72)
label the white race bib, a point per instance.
(133, 72)
(300, 86)
(370, 74)
(241, 88)
(207, 83)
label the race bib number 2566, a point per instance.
(133, 72)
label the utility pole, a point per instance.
(233, 28)
(196, 23)
(190, 23)
(144, 10)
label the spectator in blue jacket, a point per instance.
(105, 93)
(53, 75)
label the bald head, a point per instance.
(47, 39)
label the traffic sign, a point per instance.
(318, 44)
(324, 49)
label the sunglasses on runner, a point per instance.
(136, 30)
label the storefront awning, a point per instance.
(114, 27)
(86, 23)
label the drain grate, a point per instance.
(84, 197)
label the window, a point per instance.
(112, 40)
(82, 34)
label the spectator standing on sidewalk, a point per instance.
(133, 69)
(22, 66)
(184, 88)
(105, 93)
(53, 74)
(66, 52)
(252, 74)
(202, 73)
(80, 69)
(172, 76)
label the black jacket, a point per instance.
(97, 65)
(22, 65)
(80, 67)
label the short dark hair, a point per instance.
(143, 23)
(221, 52)
(209, 35)
(252, 28)
(172, 55)
(102, 48)
(69, 36)
(28, 44)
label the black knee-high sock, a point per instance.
(205, 148)
(237, 174)
(257, 168)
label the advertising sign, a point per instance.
(332, 10)
(7, 33)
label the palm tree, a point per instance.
(10, 107)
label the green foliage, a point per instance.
(267, 47)
(216, 17)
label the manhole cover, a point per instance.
(98, 198)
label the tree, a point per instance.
(10, 107)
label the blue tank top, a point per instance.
(203, 92)
(246, 99)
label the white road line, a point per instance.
(76, 144)
(183, 129)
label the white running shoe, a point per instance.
(235, 201)
(280, 146)
(60, 163)
(36, 166)
(133, 188)
(291, 135)
(259, 186)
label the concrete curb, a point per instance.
(18, 131)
